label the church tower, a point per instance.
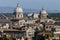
(18, 12)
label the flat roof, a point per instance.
(14, 30)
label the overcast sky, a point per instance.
(33, 4)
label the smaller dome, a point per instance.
(18, 8)
(43, 11)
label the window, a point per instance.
(20, 23)
(49, 26)
(21, 15)
(46, 26)
(18, 15)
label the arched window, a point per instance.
(18, 15)
(49, 26)
(21, 15)
(46, 26)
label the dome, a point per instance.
(18, 9)
(43, 11)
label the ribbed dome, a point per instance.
(43, 11)
(18, 9)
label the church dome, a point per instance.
(43, 11)
(18, 9)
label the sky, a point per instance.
(33, 4)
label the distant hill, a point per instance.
(11, 9)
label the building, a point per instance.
(26, 26)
